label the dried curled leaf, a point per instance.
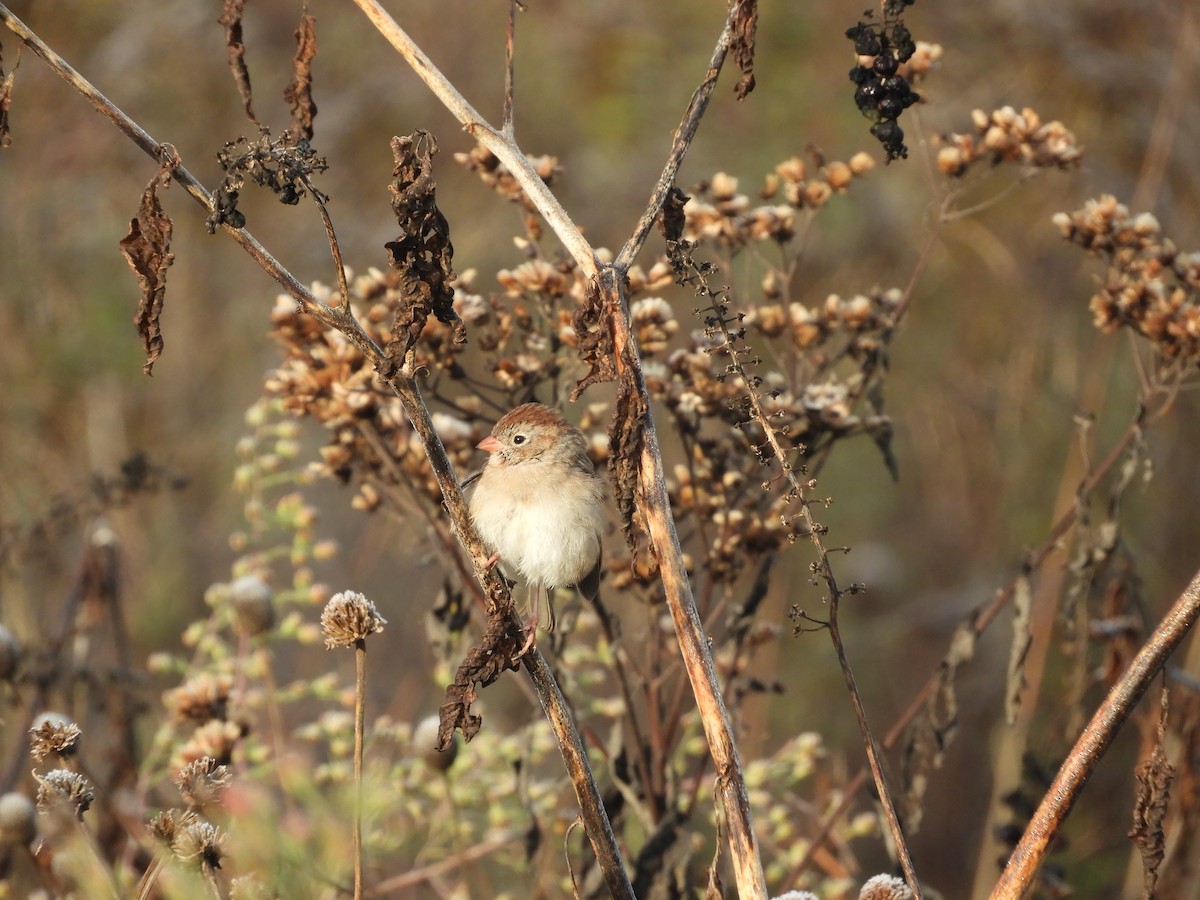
(6, 89)
(672, 220)
(231, 18)
(422, 254)
(745, 24)
(933, 729)
(299, 92)
(595, 342)
(626, 432)
(1154, 777)
(1021, 641)
(482, 666)
(147, 249)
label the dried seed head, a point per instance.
(885, 887)
(202, 781)
(201, 843)
(62, 791)
(168, 824)
(53, 733)
(839, 175)
(18, 820)
(253, 605)
(861, 163)
(348, 618)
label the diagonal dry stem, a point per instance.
(1018, 877)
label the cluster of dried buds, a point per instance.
(496, 175)
(1150, 286)
(715, 489)
(719, 214)
(1005, 135)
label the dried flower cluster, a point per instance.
(717, 213)
(201, 782)
(1005, 135)
(496, 175)
(53, 735)
(1150, 286)
(882, 92)
(190, 838)
(64, 792)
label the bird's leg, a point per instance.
(532, 622)
(552, 622)
(491, 562)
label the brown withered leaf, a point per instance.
(671, 219)
(299, 92)
(231, 18)
(626, 432)
(6, 90)
(1154, 777)
(1021, 640)
(422, 254)
(482, 666)
(933, 729)
(147, 250)
(595, 341)
(745, 24)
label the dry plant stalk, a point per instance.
(1018, 876)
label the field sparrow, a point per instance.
(540, 506)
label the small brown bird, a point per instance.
(539, 505)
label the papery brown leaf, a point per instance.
(1154, 777)
(745, 24)
(595, 342)
(299, 92)
(626, 432)
(934, 727)
(231, 18)
(422, 254)
(147, 250)
(6, 89)
(1019, 649)
(482, 666)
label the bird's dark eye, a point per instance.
(519, 439)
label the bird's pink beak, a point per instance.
(490, 444)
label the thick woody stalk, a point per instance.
(1017, 879)
(655, 507)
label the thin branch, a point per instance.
(655, 508)
(509, 35)
(360, 704)
(679, 144)
(1018, 876)
(502, 145)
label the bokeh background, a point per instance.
(995, 361)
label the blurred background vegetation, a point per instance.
(996, 360)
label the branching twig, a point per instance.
(500, 144)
